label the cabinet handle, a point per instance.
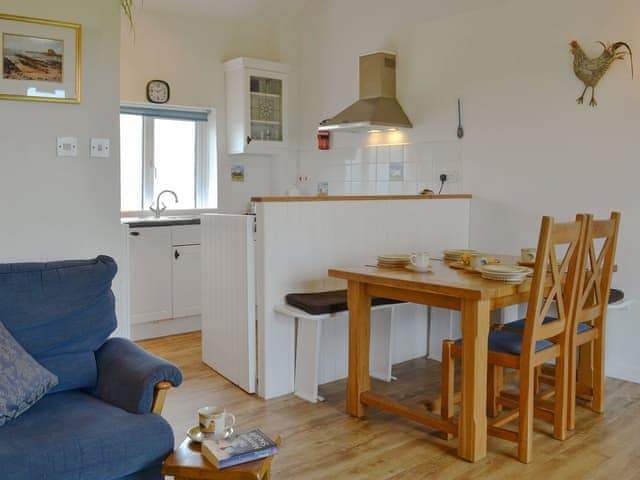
(134, 234)
(249, 140)
(176, 254)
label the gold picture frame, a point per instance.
(41, 60)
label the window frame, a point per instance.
(203, 196)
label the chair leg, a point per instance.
(561, 398)
(597, 404)
(447, 385)
(494, 387)
(537, 384)
(585, 365)
(525, 417)
(571, 388)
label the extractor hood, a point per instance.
(378, 108)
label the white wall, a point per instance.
(189, 52)
(529, 150)
(61, 208)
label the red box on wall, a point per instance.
(323, 140)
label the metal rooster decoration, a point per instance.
(591, 70)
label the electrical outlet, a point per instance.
(453, 176)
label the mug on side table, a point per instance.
(213, 421)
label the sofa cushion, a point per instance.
(24, 381)
(60, 312)
(75, 436)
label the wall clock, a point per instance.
(158, 91)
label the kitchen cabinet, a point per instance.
(257, 104)
(165, 266)
(186, 290)
(150, 271)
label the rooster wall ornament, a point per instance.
(591, 70)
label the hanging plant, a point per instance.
(127, 8)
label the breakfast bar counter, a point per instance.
(250, 266)
(353, 198)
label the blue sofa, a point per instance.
(97, 423)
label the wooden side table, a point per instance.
(187, 463)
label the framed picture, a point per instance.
(41, 60)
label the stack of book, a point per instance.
(238, 449)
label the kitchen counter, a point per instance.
(143, 222)
(343, 198)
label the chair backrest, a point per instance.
(554, 280)
(601, 238)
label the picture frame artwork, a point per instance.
(41, 60)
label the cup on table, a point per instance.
(528, 255)
(420, 259)
(216, 421)
(478, 260)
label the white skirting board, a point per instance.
(163, 328)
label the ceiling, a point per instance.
(264, 11)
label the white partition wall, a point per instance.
(228, 298)
(297, 242)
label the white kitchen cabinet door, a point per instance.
(187, 280)
(150, 271)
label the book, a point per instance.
(238, 448)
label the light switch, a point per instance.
(100, 147)
(67, 147)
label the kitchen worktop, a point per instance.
(143, 222)
(343, 198)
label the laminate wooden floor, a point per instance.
(322, 442)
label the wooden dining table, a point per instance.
(444, 287)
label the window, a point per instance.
(165, 149)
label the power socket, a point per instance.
(449, 176)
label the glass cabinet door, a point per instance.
(266, 109)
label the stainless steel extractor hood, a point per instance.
(378, 108)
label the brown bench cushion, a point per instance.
(328, 302)
(615, 295)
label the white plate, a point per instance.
(505, 270)
(394, 257)
(195, 435)
(414, 268)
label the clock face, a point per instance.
(158, 91)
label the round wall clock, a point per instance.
(158, 91)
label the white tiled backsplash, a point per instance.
(396, 169)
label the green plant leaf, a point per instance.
(127, 8)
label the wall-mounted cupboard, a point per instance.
(257, 103)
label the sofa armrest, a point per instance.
(133, 379)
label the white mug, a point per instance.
(213, 420)
(420, 259)
(528, 255)
(478, 260)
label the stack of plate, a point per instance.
(393, 261)
(456, 255)
(505, 273)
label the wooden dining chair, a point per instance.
(587, 342)
(586, 362)
(540, 342)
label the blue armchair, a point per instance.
(102, 419)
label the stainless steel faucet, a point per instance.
(157, 211)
